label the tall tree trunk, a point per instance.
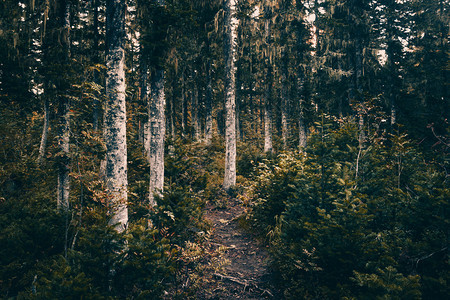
(393, 113)
(302, 134)
(268, 113)
(231, 24)
(284, 105)
(268, 92)
(97, 104)
(359, 88)
(392, 72)
(115, 115)
(183, 106)
(208, 100)
(172, 116)
(45, 127)
(157, 135)
(64, 123)
(195, 112)
(172, 120)
(144, 101)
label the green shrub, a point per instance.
(342, 221)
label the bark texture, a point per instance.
(284, 106)
(115, 115)
(393, 113)
(44, 136)
(184, 106)
(231, 24)
(302, 134)
(63, 189)
(195, 112)
(95, 30)
(144, 100)
(157, 134)
(267, 95)
(268, 114)
(208, 104)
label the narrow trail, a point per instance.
(245, 274)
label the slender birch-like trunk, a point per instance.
(231, 24)
(45, 127)
(183, 106)
(157, 128)
(238, 125)
(208, 100)
(97, 104)
(267, 95)
(63, 189)
(195, 113)
(144, 100)
(302, 134)
(268, 113)
(284, 107)
(172, 118)
(115, 115)
(359, 88)
(393, 112)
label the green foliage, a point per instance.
(354, 222)
(50, 255)
(388, 284)
(180, 213)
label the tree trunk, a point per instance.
(195, 112)
(115, 115)
(172, 117)
(268, 92)
(183, 106)
(157, 133)
(231, 24)
(302, 134)
(393, 113)
(63, 188)
(144, 101)
(208, 100)
(268, 113)
(97, 104)
(284, 106)
(44, 137)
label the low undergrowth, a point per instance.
(350, 222)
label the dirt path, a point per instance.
(245, 274)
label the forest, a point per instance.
(224, 149)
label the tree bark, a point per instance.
(63, 189)
(144, 100)
(195, 112)
(115, 115)
(172, 117)
(231, 24)
(284, 106)
(157, 135)
(208, 100)
(393, 112)
(97, 104)
(268, 113)
(302, 134)
(268, 93)
(45, 127)
(183, 106)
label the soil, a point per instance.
(245, 274)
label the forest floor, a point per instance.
(245, 273)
